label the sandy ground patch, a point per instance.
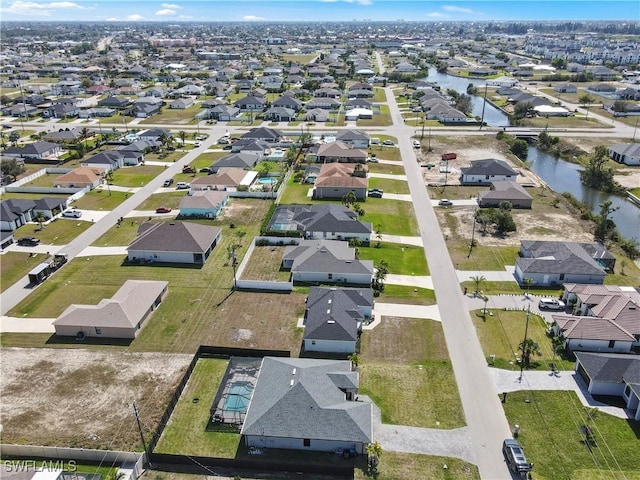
(529, 227)
(81, 398)
(628, 177)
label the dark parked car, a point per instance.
(28, 241)
(205, 170)
(375, 192)
(188, 169)
(515, 458)
(6, 126)
(445, 202)
(168, 182)
(163, 210)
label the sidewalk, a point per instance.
(415, 241)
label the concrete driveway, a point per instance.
(26, 325)
(423, 281)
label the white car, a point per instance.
(72, 213)
(416, 144)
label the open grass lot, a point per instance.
(207, 159)
(31, 196)
(482, 257)
(172, 156)
(58, 232)
(169, 199)
(391, 217)
(406, 371)
(136, 176)
(295, 193)
(381, 119)
(395, 169)
(300, 58)
(15, 265)
(551, 438)
(175, 116)
(100, 199)
(409, 295)
(389, 185)
(265, 265)
(45, 180)
(185, 433)
(455, 192)
(501, 332)
(566, 122)
(404, 466)
(402, 259)
(386, 153)
(123, 235)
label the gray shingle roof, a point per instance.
(326, 256)
(558, 257)
(174, 237)
(307, 403)
(319, 218)
(489, 166)
(611, 367)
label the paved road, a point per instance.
(486, 421)
(19, 291)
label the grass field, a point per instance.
(15, 265)
(391, 169)
(482, 257)
(58, 232)
(381, 119)
(136, 176)
(389, 185)
(402, 259)
(107, 470)
(409, 295)
(501, 332)
(175, 116)
(406, 371)
(185, 433)
(551, 438)
(404, 466)
(296, 193)
(265, 265)
(391, 217)
(169, 199)
(101, 199)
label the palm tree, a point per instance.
(528, 347)
(374, 451)
(182, 134)
(477, 279)
(380, 275)
(349, 199)
(40, 219)
(485, 299)
(585, 100)
(527, 282)
(354, 359)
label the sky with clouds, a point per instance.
(318, 10)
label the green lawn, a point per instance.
(101, 199)
(388, 185)
(381, 119)
(391, 217)
(500, 333)
(58, 232)
(300, 58)
(550, 435)
(169, 199)
(405, 466)
(137, 176)
(482, 257)
(402, 259)
(122, 235)
(391, 169)
(635, 191)
(295, 193)
(15, 265)
(185, 433)
(175, 115)
(409, 295)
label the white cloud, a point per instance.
(252, 18)
(437, 15)
(39, 9)
(360, 2)
(453, 8)
(134, 18)
(171, 6)
(186, 17)
(167, 12)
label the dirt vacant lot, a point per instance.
(82, 398)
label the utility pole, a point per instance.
(484, 104)
(473, 233)
(144, 444)
(635, 129)
(429, 141)
(424, 119)
(524, 344)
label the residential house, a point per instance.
(245, 161)
(49, 207)
(61, 110)
(279, 114)
(40, 150)
(264, 134)
(549, 263)
(307, 404)
(353, 138)
(358, 103)
(334, 317)
(203, 204)
(174, 242)
(16, 212)
(626, 153)
(484, 172)
(108, 160)
(338, 151)
(335, 180)
(121, 316)
(316, 115)
(96, 112)
(612, 374)
(355, 114)
(565, 88)
(181, 103)
(142, 108)
(222, 113)
(154, 134)
(21, 110)
(251, 103)
(511, 192)
(326, 262)
(323, 221)
(118, 103)
(6, 239)
(226, 178)
(81, 177)
(287, 101)
(323, 103)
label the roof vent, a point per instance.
(292, 382)
(294, 372)
(329, 301)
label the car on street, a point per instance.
(375, 192)
(445, 202)
(388, 143)
(72, 213)
(515, 458)
(223, 141)
(168, 182)
(28, 241)
(163, 210)
(197, 144)
(201, 137)
(6, 126)
(416, 144)
(551, 304)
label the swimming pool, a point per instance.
(238, 397)
(266, 180)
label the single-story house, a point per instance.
(181, 103)
(612, 374)
(357, 114)
(334, 318)
(353, 138)
(69, 135)
(121, 316)
(251, 103)
(109, 160)
(338, 152)
(40, 150)
(236, 160)
(511, 192)
(627, 153)
(307, 404)
(203, 204)
(321, 221)
(328, 262)
(335, 180)
(551, 111)
(174, 242)
(16, 212)
(154, 134)
(565, 88)
(280, 114)
(226, 178)
(6, 239)
(316, 115)
(549, 263)
(81, 177)
(265, 134)
(49, 207)
(484, 172)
